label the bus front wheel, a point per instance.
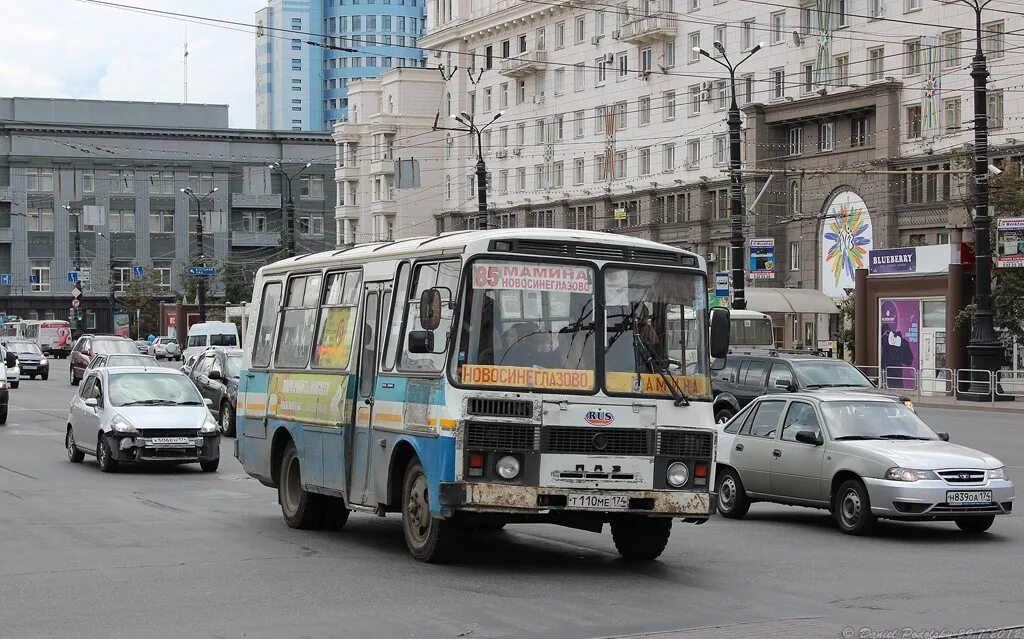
(429, 539)
(640, 538)
(301, 509)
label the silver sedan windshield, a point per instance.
(873, 420)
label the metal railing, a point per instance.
(960, 383)
(1010, 383)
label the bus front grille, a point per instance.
(501, 437)
(484, 407)
(597, 441)
(684, 444)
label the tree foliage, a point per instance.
(144, 294)
(1007, 200)
(847, 323)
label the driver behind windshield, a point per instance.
(525, 344)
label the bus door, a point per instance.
(361, 488)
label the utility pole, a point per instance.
(737, 241)
(468, 126)
(76, 312)
(985, 349)
(199, 245)
(289, 205)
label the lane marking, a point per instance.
(16, 472)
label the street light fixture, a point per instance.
(289, 207)
(466, 120)
(199, 244)
(737, 240)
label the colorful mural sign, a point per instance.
(899, 328)
(846, 238)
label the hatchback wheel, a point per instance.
(104, 455)
(75, 456)
(851, 508)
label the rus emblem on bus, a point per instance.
(599, 417)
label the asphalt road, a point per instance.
(180, 553)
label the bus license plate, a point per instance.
(169, 441)
(968, 496)
(597, 502)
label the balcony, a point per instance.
(649, 28)
(251, 201)
(382, 167)
(384, 207)
(348, 172)
(6, 236)
(524, 63)
(5, 194)
(347, 212)
(253, 239)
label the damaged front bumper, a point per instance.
(141, 449)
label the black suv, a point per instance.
(215, 373)
(741, 377)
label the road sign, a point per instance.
(137, 271)
(75, 303)
(6, 279)
(33, 279)
(722, 284)
(202, 271)
(85, 275)
(72, 276)
(76, 293)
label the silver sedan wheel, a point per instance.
(727, 494)
(850, 508)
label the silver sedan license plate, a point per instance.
(169, 441)
(597, 502)
(968, 496)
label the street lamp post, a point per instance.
(468, 126)
(985, 349)
(289, 207)
(199, 244)
(737, 241)
(78, 258)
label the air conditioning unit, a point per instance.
(500, 153)
(609, 58)
(616, 34)
(595, 40)
(711, 258)
(705, 86)
(517, 151)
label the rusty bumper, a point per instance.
(484, 497)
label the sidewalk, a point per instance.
(951, 403)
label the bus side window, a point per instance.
(441, 274)
(337, 320)
(263, 343)
(397, 314)
(295, 339)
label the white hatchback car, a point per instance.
(141, 415)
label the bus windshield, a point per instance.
(756, 331)
(528, 325)
(647, 346)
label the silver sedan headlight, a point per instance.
(908, 474)
(997, 473)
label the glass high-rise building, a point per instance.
(303, 87)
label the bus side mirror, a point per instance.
(430, 309)
(719, 332)
(421, 342)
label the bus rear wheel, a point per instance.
(301, 509)
(428, 538)
(641, 538)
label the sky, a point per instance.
(72, 49)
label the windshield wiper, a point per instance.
(678, 396)
(852, 437)
(150, 402)
(902, 436)
(190, 403)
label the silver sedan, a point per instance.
(861, 457)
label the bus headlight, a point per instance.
(507, 467)
(676, 474)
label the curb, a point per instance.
(987, 407)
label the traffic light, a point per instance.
(79, 315)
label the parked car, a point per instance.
(12, 369)
(215, 373)
(89, 346)
(862, 456)
(30, 358)
(4, 393)
(166, 347)
(117, 359)
(139, 415)
(143, 346)
(742, 377)
(189, 362)
(205, 334)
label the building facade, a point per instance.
(97, 185)
(303, 87)
(860, 111)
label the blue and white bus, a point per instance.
(481, 378)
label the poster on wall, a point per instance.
(762, 258)
(1010, 242)
(899, 329)
(846, 238)
(121, 325)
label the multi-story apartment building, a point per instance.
(611, 120)
(304, 87)
(119, 168)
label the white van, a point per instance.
(205, 334)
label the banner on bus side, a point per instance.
(525, 377)
(312, 399)
(556, 278)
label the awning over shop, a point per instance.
(789, 300)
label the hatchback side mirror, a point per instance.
(92, 402)
(808, 437)
(943, 436)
